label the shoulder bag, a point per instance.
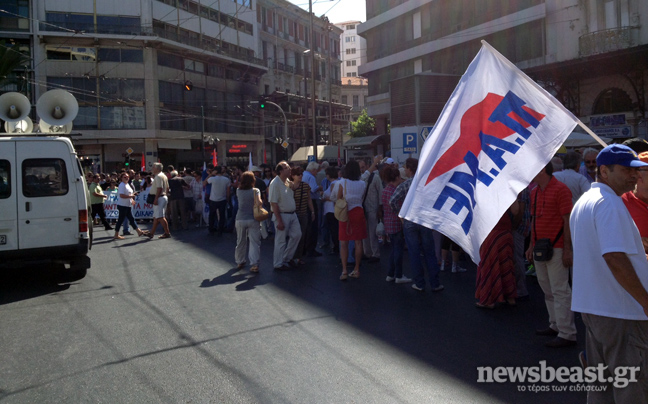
(260, 214)
(341, 208)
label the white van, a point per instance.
(43, 205)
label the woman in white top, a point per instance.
(352, 188)
(247, 228)
(124, 203)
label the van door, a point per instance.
(8, 197)
(47, 200)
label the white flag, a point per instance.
(496, 132)
(250, 164)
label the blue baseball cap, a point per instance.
(619, 154)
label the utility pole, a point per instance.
(312, 52)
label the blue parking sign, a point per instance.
(409, 142)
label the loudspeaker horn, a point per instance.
(57, 108)
(55, 129)
(24, 126)
(14, 107)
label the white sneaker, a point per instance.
(390, 278)
(415, 287)
(457, 268)
(442, 268)
(403, 279)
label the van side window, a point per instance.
(5, 179)
(44, 177)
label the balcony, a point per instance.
(608, 40)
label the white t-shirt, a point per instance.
(125, 189)
(219, 186)
(576, 183)
(353, 192)
(600, 224)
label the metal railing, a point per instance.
(607, 40)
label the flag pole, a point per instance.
(523, 75)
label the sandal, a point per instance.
(240, 266)
(165, 235)
(485, 306)
(254, 268)
(355, 274)
(344, 276)
(140, 233)
(118, 237)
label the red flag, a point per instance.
(143, 162)
(214, 158)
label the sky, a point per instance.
(336, 10)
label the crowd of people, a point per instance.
(533, 237)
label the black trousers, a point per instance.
(220, 207)
(98, 209)
(334, 229)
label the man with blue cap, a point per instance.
(610, 279)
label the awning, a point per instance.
(183, 144)
(323, 153)
(361, 141)
(579, 139)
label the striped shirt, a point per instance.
(301, 199)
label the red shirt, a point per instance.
(552, 203)
(638, 210)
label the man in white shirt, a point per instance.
(372, 205)
(282, 202)
(570, 176)
(611, 277)
(218, 197)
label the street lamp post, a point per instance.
(312, 52)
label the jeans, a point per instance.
(420, 239)
(396, 256)
(125, 212)
(217, 208)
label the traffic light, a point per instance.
(188, 85)
(127, 162)
(262, 103)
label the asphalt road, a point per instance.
(174, 321)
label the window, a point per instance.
(351, 51)
(5, 179)
(120, 55)
(356, 101)
(350, 38)
(344, 99)
(354, 74)
(350, 26)
(349, 75)
(351, 62)
(44, 177)
(70, 53)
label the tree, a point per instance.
(364, 126)
(10, 60)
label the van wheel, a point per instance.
(72, 275)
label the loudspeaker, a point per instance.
(55, 129)
(57, 108)
(14, 107)
(24, 126)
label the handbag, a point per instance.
(341, 211)
(543, 248)
(150, 198)
(260, 214)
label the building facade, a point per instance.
(171, 80)
(591, 54)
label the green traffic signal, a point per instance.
(262, 105)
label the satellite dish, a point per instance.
(55, 129)
(24, 126)
(14, 107)
(57, 108)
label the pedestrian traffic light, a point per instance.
(188, 85)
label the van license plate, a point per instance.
(3, 239)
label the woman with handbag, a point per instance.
(304, 210)
(350, 189)
(247, 227)
(124, 203)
